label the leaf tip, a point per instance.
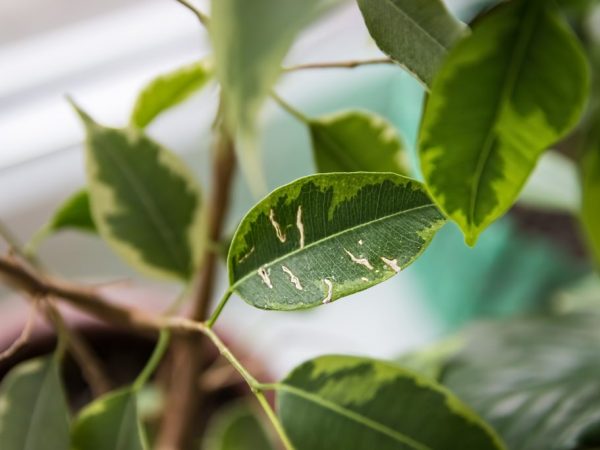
(84, 116)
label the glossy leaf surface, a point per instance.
(489, 118)
(326, 236)
(417, 35)
(33, 409)
(362, 404)
(355, 141)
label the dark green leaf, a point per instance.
(145, 201)
(236, 428)
(169, 90)
(33, 409)
(534, 379)
(490, 115)
(417, 34)
(326, 236)
(356, 141)
(342, 402)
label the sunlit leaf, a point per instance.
(350, 403)
(33, 409)
(490, 117)
(326, 236)
(355, 141)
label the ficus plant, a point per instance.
(517, 80)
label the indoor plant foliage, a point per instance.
(501, 91)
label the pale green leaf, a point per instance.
(236, 428)
(350, 403)
(33, 409)
(144, 200)
(169, 90)
(109, 423)
(416, 34)
(326, 236)
(534, 379)
(355, 141)
(506, 93)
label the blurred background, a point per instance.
(102, 52)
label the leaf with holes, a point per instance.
(489, 117)
(144, 200)
(326, 236)
(355, 141)
(417, 35)
(534, 379)
(33, 409)
(111, 422)
(362, 404)
(169, 90)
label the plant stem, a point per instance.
(203, 18)
(290, 109)
(339, 64)
(274, 420)
(215, 315)
(155, 359)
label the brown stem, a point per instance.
(185, 396)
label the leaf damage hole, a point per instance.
(280, 235)
(362, 261)
(392, 264)
(300, 225)
(329, 294)
(293, 278)
(246, 256)
(264, 274)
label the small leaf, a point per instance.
(534, 379)
(109, 423)
(236, 428)
(356, 141)
(326, 236)
(145, 201)
(489, 118)
(417, 35)
(352, 403)
(33, 410)
(169, 90)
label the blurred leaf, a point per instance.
(430, 361)
(489, 117)
(355, 141)
(590, 176)
(145, 201)
(326, 236)
(109, 423)
(534, 379)
(169, 90)
(350, 403)
(33, 410)
(236, 428)
(417, 35)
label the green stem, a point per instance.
(290, 109)
(215, 315)
(155, 359)
(274, 420)
(203, 18)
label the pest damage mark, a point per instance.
(293, 278)
(246, 256)
(329, 295)
(300, 225)
(392, 264)
(360, 242)
(365, 279)
(264, 275)
(278, 231)
(362, 261)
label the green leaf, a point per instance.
(355, 141)
(145, 201)
(489, 116)
(33, 410)
(169, 90)
(326, 236)
(109, 423)
(417, 35)
(352, 403)
(534, 379)
(590, 176)
(236, 428)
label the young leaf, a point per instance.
(417, 35)
(362, 404)
(236, 428)
(145, 201)
(534, 379)
(33, 410)
(110, 423)
(356, 141)
(169, 90)
(489, 117)
(326, 236)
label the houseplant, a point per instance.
(501, 91)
